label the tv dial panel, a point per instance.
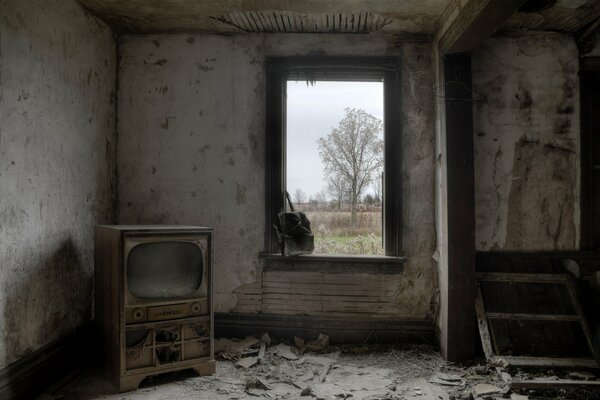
(139, 314)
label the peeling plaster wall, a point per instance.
(191, 147)
(526, 127)
(57, 141)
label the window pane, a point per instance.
(334, 161)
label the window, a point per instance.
(333, 142)
(334, 162)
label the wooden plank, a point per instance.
(535, 317)
(321, 304)
(339, 299)
(584, 325)
(553, 384)
(518, 277)
(367, 301)
(345, 328)
(465, 24)
(356, 295)
(329, 282)
(330, 290)
(548, 362)
(458, 336)
(590, 146)
(309, 278)
(484, 331)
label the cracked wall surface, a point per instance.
(57, 153)
(526, 134)
(191, 149)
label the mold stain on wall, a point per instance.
(526, 116)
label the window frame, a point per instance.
(281, 69)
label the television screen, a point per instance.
(164, 270)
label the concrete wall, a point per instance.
(57, 153)
(191, 149)
(526, 126)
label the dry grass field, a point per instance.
(334, 233)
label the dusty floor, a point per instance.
(256, 368)
(382, 372)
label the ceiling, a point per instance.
(349, 16)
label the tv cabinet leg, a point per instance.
(207, 368)
(130, 383)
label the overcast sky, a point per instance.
(312, 111)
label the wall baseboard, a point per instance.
(339, 329)
(38, 370)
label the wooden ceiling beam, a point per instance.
(466, 23)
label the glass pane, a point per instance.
(164, 270)
(334, 155)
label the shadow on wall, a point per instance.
(50, 303)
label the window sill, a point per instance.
(334, 263)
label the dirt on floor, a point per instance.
(260, 368)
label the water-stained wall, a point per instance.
(526, 127)
(57, 153)
(191, 150)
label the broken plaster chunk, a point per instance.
(320, 344)
(261, 352)
(307, 391)
(247, 362)
(326, 369)
(443, 382)
(266, 339)
(298, 342)
(232, 349)
(484, 389)
(283, 350)
(257, 383)
(582, 375)
(515, 396)
(449, 377)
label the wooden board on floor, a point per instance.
(532, 320)
(545, 383)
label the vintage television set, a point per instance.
(153, 301)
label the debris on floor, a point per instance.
(285, 351)
(262, 368)
(229, 349)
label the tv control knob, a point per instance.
(137, 314)
(196, 308)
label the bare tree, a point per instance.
(338, 189)
(321, 197)
(299, 196)
(352, 154)
(377, 184)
